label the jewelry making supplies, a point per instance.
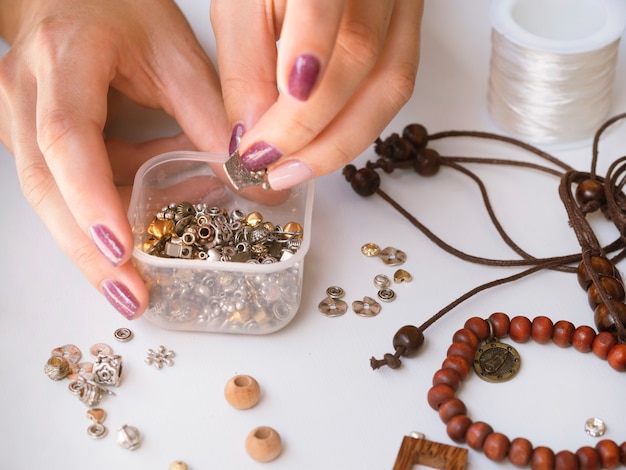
(128, 437)
(332, 305)
(481, 436)
(161, 357)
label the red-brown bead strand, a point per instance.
(481, 436)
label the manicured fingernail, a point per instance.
(303, 76)
(107, 243)
(120, 297)
(260, 156)
(238, 130)
(289, 174)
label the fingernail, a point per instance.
(107, 243)
(289, 174)
(120, 297)
(238, 130)
(260, 156)
(303, 76)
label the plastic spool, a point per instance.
(553, 66)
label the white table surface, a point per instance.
(319, 393)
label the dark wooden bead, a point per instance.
(563, 333)
(479, 327)
(451, 408)
(438, 394)
(427, 162)
(617, 357)
(466, 336)
(520, 329)
(542, 459)
(588, 458)
(613, 288)
(410, 338)
(605, 321)
(457, 363)
(600, 265)
(541, 329)
(365, 181)
(622, 449)
(417, 135)
(602, 344)
(565, 460)
(448, 377)
(496, 446)
(476, 434)
(457, 427)
(500, 323)
(609, 453)
(348, 172)
(520, 451)
(583, 338)
(590, 191)
(462, 349)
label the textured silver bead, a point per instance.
(128, 437)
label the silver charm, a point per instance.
(57, 368)
(332, 305)
(69, 351)
(595, 427)
(100, 349)
(386, 295)
(107, 370)
(161, 357)
(381, 281)
(123, 334)
(367, 307)
(392, 256)
(97, 431)
(128, 437)
(241, 177)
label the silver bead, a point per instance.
(57, 368)
(107, 370)
(97, 431)
(123, 334)
(386, 295)
(381, 281)
(128, 437)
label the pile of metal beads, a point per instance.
(198, 231)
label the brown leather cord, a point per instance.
(614, 208)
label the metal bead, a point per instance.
(96, 415)
(128, 437)
(57, 368)
(392, 256)
(99, 349)
(332, 307)
(595, 427)
(178, 465)
(97, 431)
(253, 219)
(335, 292)
(386, 295)
(123, 334)
(381, 281)
(107, 370)
(367, 307)
(402, 276)
(370, 249)
(161, 357)
(69, 351)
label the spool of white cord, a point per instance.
(553, 66)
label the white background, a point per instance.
(319, 392)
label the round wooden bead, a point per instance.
(263, 444)
(416, 134)
(242, 392)
(438, 394)
(542, 459)
(427, 162)
(496, 446)
(178, 465)
(410, 338)
(565, 460)
(466, 336)
(462, 349)
(479, 327)
(617, 357)
(600, 265)
(605, 321)
(458, 364)
(590, 190)
(609, 453)
(563, 333)
(520, 328)
(541, 329)
(451, 408)
(622, 449)
(588, 458)
(613, 287)
(457, 427)
(582, 338)
(448, 377)
(602, 344)
(365, 181)
(476, 434)
(520, 451)
(501, 323)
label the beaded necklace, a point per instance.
(596, 271)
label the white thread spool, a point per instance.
(553, 66)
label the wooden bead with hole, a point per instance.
(263, 444)
(242, 392)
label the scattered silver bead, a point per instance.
(128, 437)
(595, 427)
(107, 370)
(367, 307)
(57, 368)
(161, 357)
(381, 281)
(97, 431)
(386, 295)
(123, 334)
(335, 292)
(99, 349)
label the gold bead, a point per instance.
(242, 392)
(253, 219)
(370, 249)
(178, 465)
(293, 229)
(263, 444)
(160, 228)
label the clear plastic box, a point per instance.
(206, 294)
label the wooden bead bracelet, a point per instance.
(481, 436)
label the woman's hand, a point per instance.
(65, 57)
(344, 68)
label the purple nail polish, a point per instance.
(238, 130)
(260, 156)
(303, 76)
(120, 297)
(107, 243)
